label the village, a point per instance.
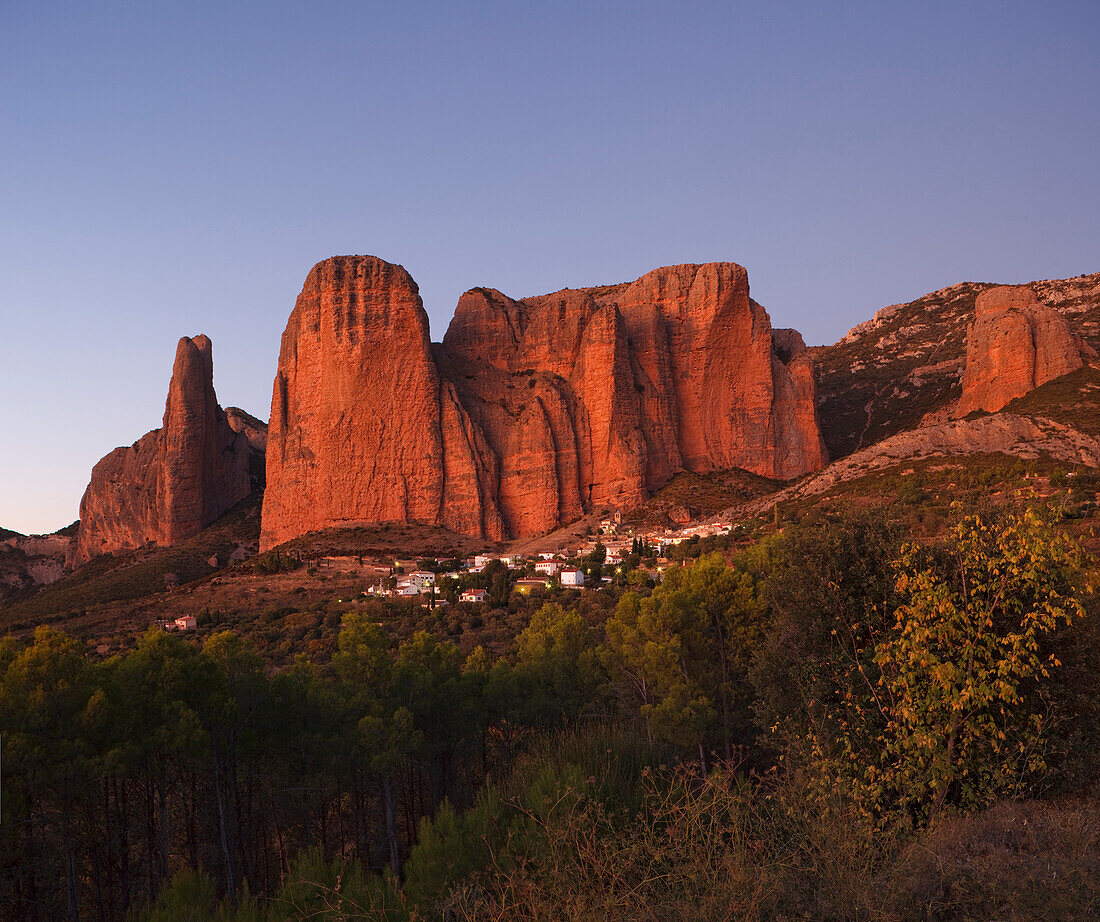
(609, 554)
(589, 564)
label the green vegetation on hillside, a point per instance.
(825, 724)
(1073, 399)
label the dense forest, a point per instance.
(834, 722)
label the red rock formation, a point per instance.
(530, 412)
(362, 429)
(795, 417)
(254, 430)
(175, 480)
(598, 396)
(1013, 344)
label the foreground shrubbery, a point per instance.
(553, 842)
(790, 733)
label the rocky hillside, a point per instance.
(531, 412)
(888, 373)
(98, 589)
(30, 561)
(1005, 434)
(671, 395)
(1014, 344)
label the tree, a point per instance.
(48, 705)
(830, 589)
(557, 668)
(913, 675)
(962, 669)
(500, 587)
(153, 694)
(449, 588)
(683, 653)
(384, 730)
(593, 563)
(234, 710)
(441, 701)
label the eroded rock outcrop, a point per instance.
(597, 396)
(27, 561)
(255, 430)
(1013, 344)
(530, 412)
(362, 428)
(175, 480)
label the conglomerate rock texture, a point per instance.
(1013, 345)
(175, 480)
(530, 412)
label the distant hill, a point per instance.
(889, 372)
(127, 575)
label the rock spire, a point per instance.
(175, 480)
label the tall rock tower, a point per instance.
(175, 480)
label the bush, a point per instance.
(1016, 861)
(274, 562)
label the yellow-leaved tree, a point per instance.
(961, 673)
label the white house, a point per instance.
(549, 567)
(186, 623)
(571, 577)
(482, 560)
(406, 589)
(473, 595)
(427, 577)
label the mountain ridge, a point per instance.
(582, 399)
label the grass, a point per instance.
(1016, 861)
(1073, 399)
(690, 496)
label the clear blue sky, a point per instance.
(171, 169)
